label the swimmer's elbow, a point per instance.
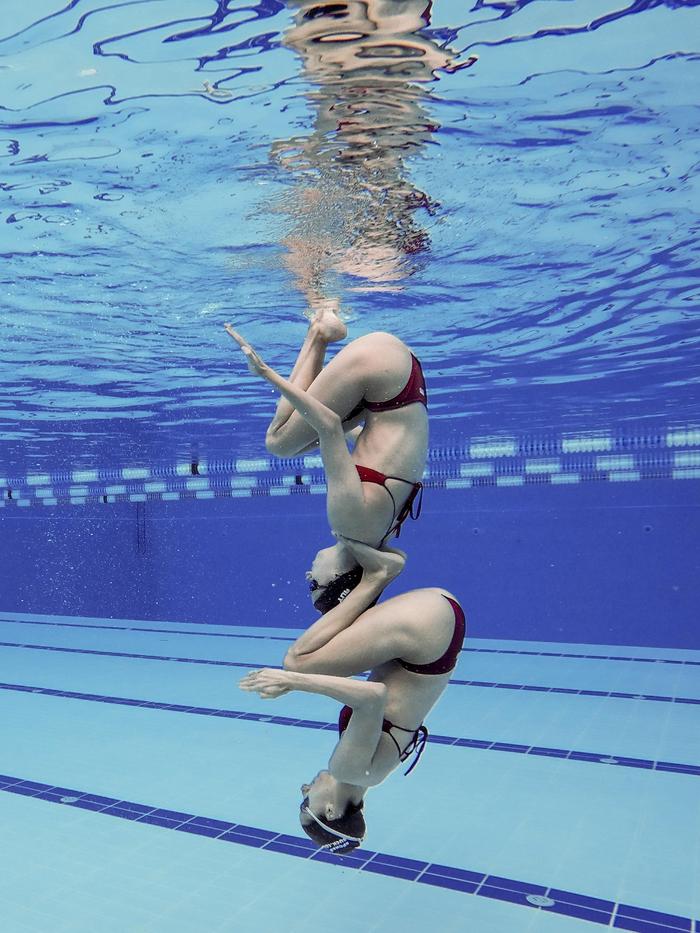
(351, 775)
(362, 774)
(291, 662)
(277, 446)
(281, 444)
(374, 696)
(299, 663)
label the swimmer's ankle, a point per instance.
(325, 324)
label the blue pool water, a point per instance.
(526, 223)
(510, 187)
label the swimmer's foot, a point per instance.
(326, 322)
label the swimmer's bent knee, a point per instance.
(279, 446)
(285, 443)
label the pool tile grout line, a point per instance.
(570, 691)
(521, 893)
(517, 651)
(437, 739)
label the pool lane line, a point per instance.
(288, 638)
(535, 688)
(157, 631)
(605, 758)
(573, 691)
(141, 657)
(521, 893)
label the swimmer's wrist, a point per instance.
(379, 577)
(376, 578)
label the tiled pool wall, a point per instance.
(599, 562)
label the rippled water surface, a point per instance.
(509, 186)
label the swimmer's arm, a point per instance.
(352, 432)
(337, 620)
(357, 694)
(351, 760)
(321, 418)
(313, 651)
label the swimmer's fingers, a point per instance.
(248, 682)
(268, 683)
(256, 364)
(239, 338)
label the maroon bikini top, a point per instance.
(413, 391)
(447, 661)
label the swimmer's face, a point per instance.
(319, 797)
(324, 568)
(325, 565)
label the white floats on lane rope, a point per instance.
(565, 459)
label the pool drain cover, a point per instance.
(539, 900)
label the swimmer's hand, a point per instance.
(256, 364)
(268, 683)
(386, 564)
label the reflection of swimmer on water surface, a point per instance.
(337, 39)
(213, 91)
(354, 212)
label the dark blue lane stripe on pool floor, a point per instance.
(457, 741)
(157, 631)
(522, 893)
(468, 649)
(570, 691)
(127, 654)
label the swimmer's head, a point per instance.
(334, 573)
(331, 814)
(330, 562)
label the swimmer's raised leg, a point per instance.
(346, 502)
(325, 328)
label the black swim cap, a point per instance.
(336, 591)
(337, 836)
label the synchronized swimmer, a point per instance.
(376, 382)
(410, 642)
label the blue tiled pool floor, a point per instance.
(612, 843)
